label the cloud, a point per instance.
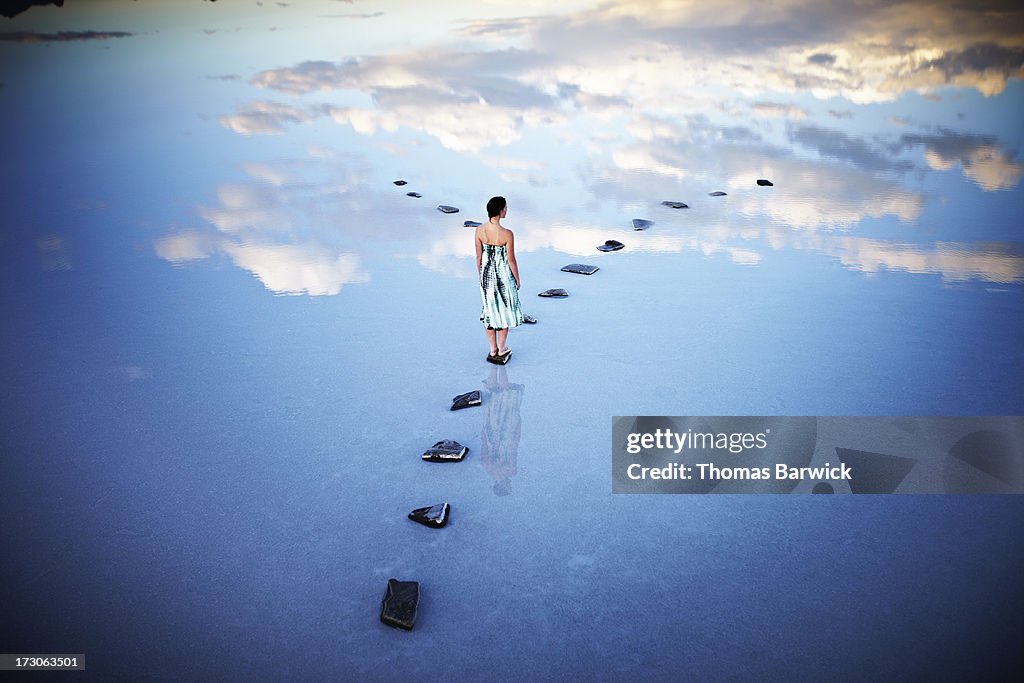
(980, 157)
(61, 36)
(774, 109)
(282, 226)
(267, 118)
(836, 144)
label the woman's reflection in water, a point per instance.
(502, 428)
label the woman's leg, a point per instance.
(501, 337)
(492, 340)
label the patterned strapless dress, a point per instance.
(498, 291)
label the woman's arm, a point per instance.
(512, 257)
(479, 250)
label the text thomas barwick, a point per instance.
(708, 470)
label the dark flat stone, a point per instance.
(529, 320)
(417, 195)
(400, 183)
(764, 183)
(470, 224)
(500, 360)
(443, 208)
(611, 245)
(434, 516)
(400, 603)
(554, 292)
(641, 224)
(467, 400)
(581, 268)
(717, 193)
(445, 451)
(675, 205)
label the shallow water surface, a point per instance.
(228, 335)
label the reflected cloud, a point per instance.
(980, 158)
(61, 36)
(836, 144)
(268, 118)
(279, 227)
(54, 253)
(954, 262)
(808, 195)
(774, 109)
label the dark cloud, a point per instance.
(12, 8)
(980, 58)
(947, 143)
(822, 58)
(62, 36)
(836, 114)
(835, 144)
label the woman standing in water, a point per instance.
(499, 279)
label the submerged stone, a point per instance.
(413, 194)
(445, 451)
(467, 400)
(676, 205)
(554, 292)
(443, 208)
(400, 183)
(764, 183)
(400, 603)
(641, 224)
(434, 516)
(611, 245)
(580, 268)
(470, 224)
(717, 193)
(529, 320)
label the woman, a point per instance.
(499, 279)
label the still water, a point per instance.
(228, 335)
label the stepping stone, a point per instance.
(580, 268)
(400, 183)
(434, 516)
(764, 183)
(470, 224)
(400, 603)
(417, 195)
(676, 205)
(446, 451)
(500, 360)
(529, 320)
(717, 193)
(641, 224)
(447, 209)
(611, 245)
(467, 400)
(560, 293)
